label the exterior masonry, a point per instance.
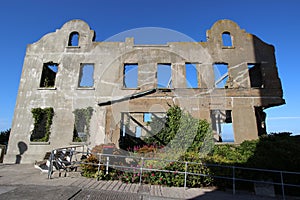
(252, 85)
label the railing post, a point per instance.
(185, 174)
(233, 180)
(141, 170)
(99, 166)
(50, 165)
(107, 164)
(282, 185)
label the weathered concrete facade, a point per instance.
(252, 84)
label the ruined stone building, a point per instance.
(74, 90)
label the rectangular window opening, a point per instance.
(164, 76)
(42, 124)
(191, 75)
(147, 117)
(222, 125)
(255, 75)
(221, 75)
(49, 75)
(81, 129)
(138, 131)
(136, 126)
(130, 74)
(86, 78)
(260, 120)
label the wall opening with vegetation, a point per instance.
(42, 124)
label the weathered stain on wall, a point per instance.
(238, 96)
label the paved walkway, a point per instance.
(25, 182)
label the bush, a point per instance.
(171, 178)
(179, 130)
(90, 167)
(181, 137)
(4, 136)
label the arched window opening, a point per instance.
(227, 39)
(74, 39)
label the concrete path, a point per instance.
(25, 182)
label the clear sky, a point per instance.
(276, 22)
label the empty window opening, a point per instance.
(130, 122)
(147, 117)
(255, 75)
(221, 75)
(132, 129)
(222, 125)
(135, 127)
(49, 74)
(164, 76)
(227, 39)
(191, 75)
(227, 132)
(74, 39)
(261, 121)
(86, 78)
(130, 79)
(81, 129)
(138, 131)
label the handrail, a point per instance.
(53, 158)
(186, 173)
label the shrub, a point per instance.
(90, 167)
(4, 136)
(179, 130)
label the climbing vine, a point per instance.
(42, 124)
(82, 123)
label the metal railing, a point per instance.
(65, 158)
(109, 161)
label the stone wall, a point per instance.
(252, 84)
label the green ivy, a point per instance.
(42, 124)
(82, 122)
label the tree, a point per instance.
(179, 130)
(4, 136)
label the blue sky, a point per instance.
(274, 21)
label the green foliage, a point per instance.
(42, 124)
(164, 129)
(4, 136)
(90, 167)
(172, 178)
(82, 123)
(191, 140)
(277, 151)
(179, 130)
(273, 151)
